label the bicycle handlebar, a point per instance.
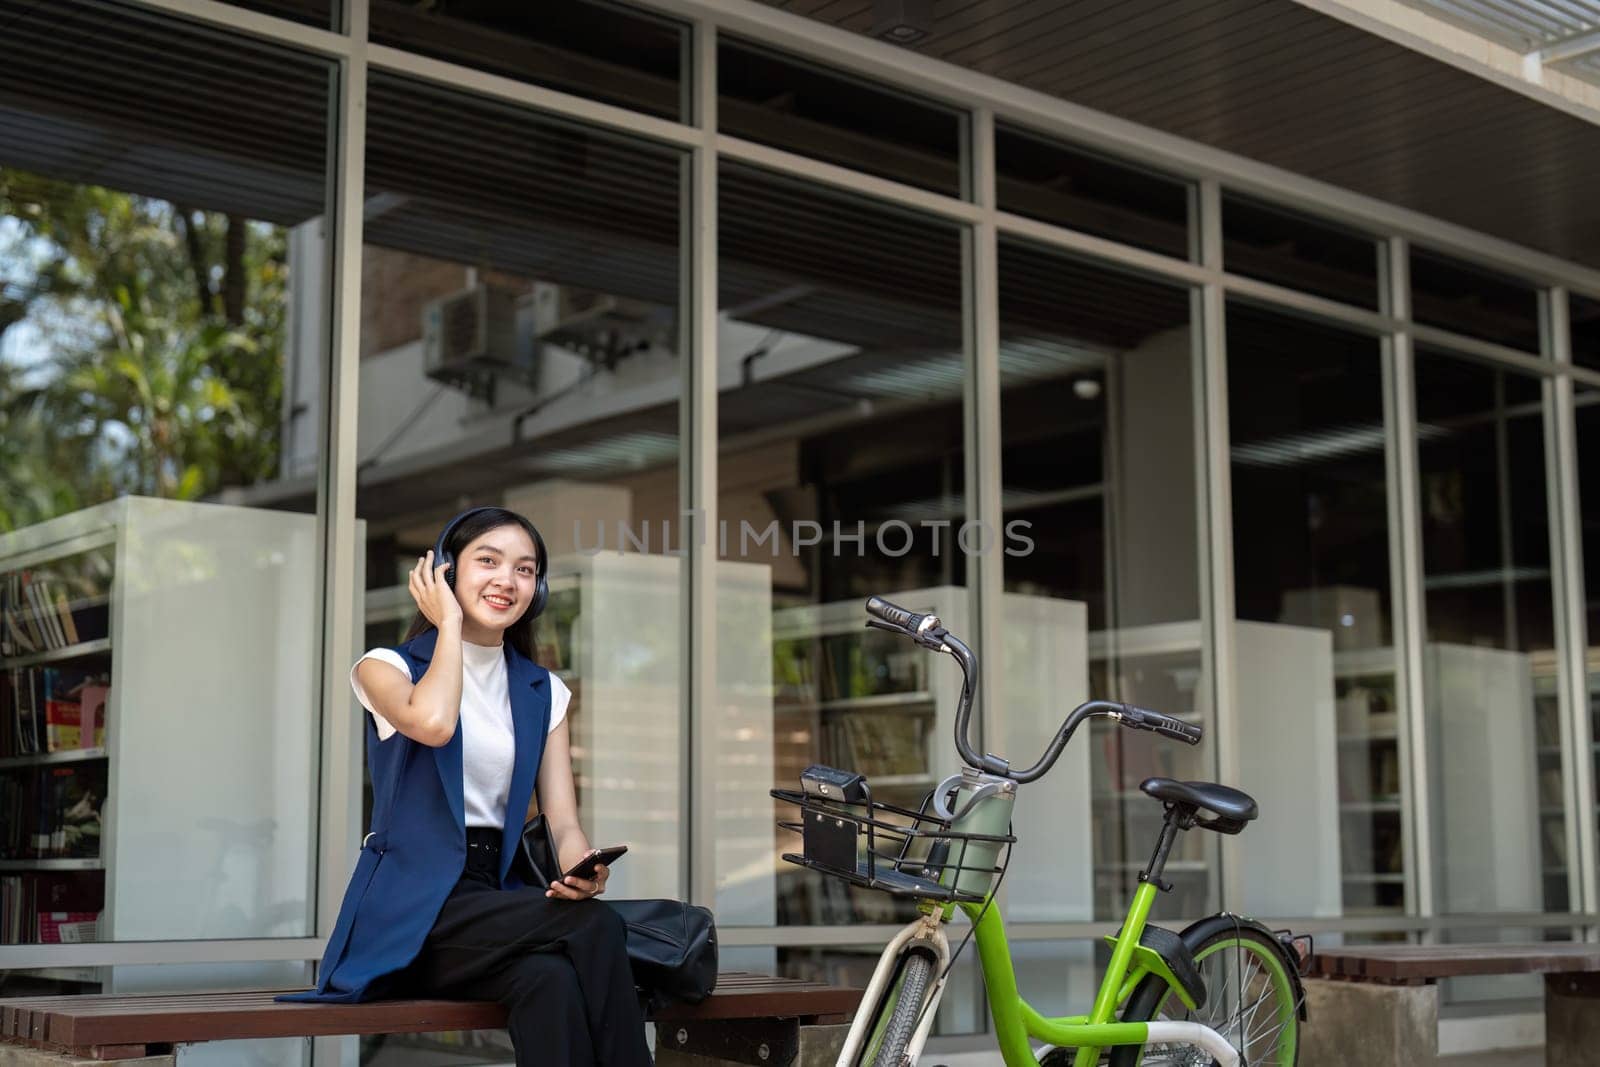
(927, 631)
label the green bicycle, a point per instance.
(1224, 991)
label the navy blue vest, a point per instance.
(417, 847)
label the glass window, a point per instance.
(1290, 249)
(1102, 574)
(320, 13)
(1474, 301)
(1315, 647)
(1497, 794)
(521, 347)
(1584, 315)
(840, 476)
(791, 103)
(605, 51)
(1069, 186)
(156, 270)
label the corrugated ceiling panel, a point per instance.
(1276, 81)
(1521, 24)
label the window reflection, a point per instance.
(1070, 186)
(153, 264)
(1262, 241)
(1097, 424)
(796, 104)
(840, 475)
(1584, 316)
(520, 346)
(1311, 588)
(605, 51)
(1489, 665)
(1472, 300)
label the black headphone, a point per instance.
(442, 555)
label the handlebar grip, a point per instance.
(894, 614)
(1138, 718)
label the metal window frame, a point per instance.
(1572, 639)
(989, 100)
(1407, 599)
(697, 482)
(1214, 500)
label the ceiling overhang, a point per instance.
(1281, 83)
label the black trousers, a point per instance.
(559, 966)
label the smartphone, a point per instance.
(584, 868)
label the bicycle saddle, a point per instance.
(1231, 807)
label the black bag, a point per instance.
(672, 946)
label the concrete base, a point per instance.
(1571, 1019)
(1357, 1024)
(16, 1056)
(819, 1047)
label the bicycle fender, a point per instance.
(1167, 956)
(1196, 933)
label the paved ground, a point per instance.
(438, 1058)
(1533, 1057)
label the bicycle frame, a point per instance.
(1016, 1022)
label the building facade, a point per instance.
(757, 316)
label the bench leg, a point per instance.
(1571, 1019)
(1361, 1024)
(748, 1043)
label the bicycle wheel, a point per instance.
(898, 1015)
(1250, 1001)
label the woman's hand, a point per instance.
(436, 600)
(574, 888)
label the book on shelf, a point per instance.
(881, 743)
(1130, 759)
(52, 811)
(42, 611)
(1554, 837)
(1547, 727)
(51, 907)
(794, 676)
(52, 709)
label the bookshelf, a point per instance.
(1373, 878)
(172, 708)
(1155, 666)
(1556, 839)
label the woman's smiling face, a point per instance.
(495, 579)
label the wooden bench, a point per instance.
(1379, 1004)
(750, 1019)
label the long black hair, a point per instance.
(520, 634)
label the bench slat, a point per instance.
(84, 1022)
(1401, 963)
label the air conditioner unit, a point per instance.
(469, 339)
(600, 327)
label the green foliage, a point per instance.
(160, 370)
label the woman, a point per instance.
(461, 722)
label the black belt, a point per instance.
(483, 839)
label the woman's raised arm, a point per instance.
(429, 710)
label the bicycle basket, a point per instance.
(892, 849)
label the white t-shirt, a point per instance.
(488, 738)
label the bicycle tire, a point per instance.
(916, 971)
(1265, 1036)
